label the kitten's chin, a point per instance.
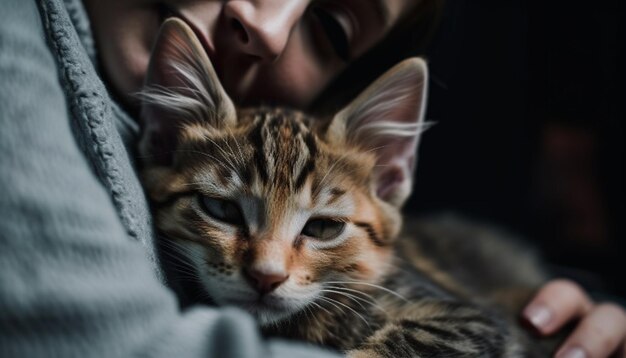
(269, 311)
(267, 317)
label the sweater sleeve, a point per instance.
(72, 284)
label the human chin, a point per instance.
(280, 83)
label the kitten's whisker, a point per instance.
(371, 285)
(345, 289)
(240, 159)
(322, 308)
(177, 253)
(333, 167)
(375, 148)
(352, 290)
(224, 153)
(368, 298)
(367, 151)
(187, 277)
(346, 306)
(181, 265)
(338, 308)
(215, 159)
(306, 311)
(243, 159)
(193, 183)
(350, 297)
(322, 181)
(331, 315)
(180, 254)
(177, 246)
(232, 152)
(357, 300)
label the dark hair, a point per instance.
(409, 37)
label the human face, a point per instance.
(271, 51)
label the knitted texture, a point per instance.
(92, 114)
(76, 279)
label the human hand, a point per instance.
(600, 333)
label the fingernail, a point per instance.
(539, 315)
(572, 352)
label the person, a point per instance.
(79, 272)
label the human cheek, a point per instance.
(129, 66)
(296, 78)
(124, 37)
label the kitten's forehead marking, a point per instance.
(284, 149)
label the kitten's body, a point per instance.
(297, 219)
(457, 289)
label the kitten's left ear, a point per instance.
(181, 88)
(388, 118)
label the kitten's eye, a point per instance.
(323, 229)
(337, 29)
(223, 210)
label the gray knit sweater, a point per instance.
(78, 277)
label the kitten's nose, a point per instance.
(265, 282)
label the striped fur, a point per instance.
(444, 290)
(370, 294)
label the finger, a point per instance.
(557, 303)
(598, 335)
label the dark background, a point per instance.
(529, 100)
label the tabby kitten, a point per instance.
(297, 220)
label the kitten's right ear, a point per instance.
(181, 88)
(387, 119)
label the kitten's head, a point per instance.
(273, 210)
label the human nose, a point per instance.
(262, 28)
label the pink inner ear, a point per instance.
(388, 181)
(399, 103)
(388, 119)
(394, 165)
